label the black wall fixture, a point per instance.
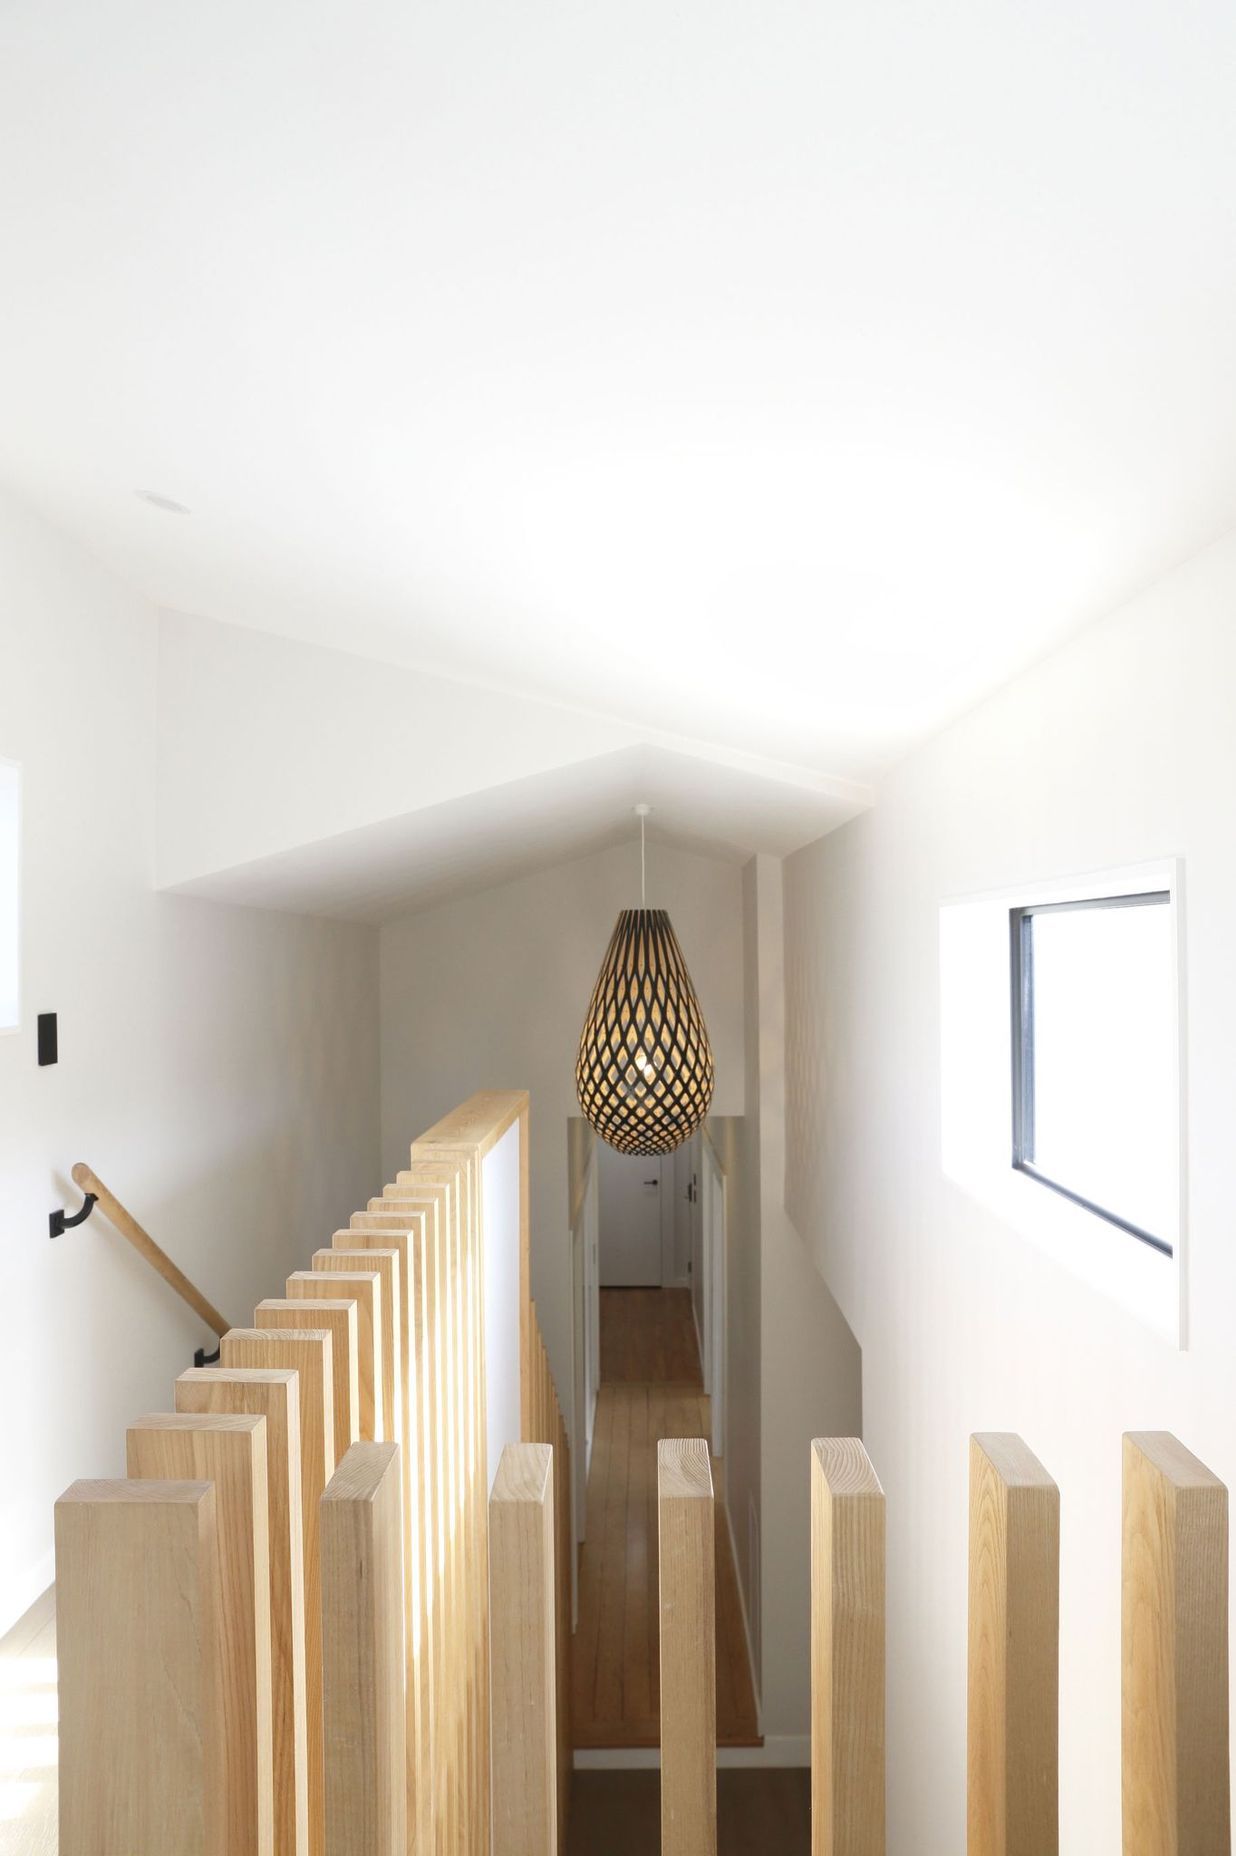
(58, 1222)
(49, 1041)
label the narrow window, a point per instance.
(10, 802)
(1095, 1112)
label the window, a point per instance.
(1094, 1048)
(10, 799)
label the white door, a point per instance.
(630, 1189)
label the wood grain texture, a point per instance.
(479, 1123)
(686, 1527)
(847, 1650)
(1174, 1652)
(230, 1451)
(365, 1289)
(385, 1265)
(307, 1352)
(648, 1336)
(1013, 1804)
(523, 1653)
(275, 1396)
(416, 1257)
(363, 1633)
(337, 1315)
(141, 1711)
(438, 1266)
(419, 1510)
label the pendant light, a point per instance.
(644, 1076)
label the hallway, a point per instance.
(651, 1388)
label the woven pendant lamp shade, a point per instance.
(644, 1075)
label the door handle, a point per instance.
(652, 1182)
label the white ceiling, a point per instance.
(447, 849)
(780, 375)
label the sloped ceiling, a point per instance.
(780, 376)
(458, 846)
(295, 777)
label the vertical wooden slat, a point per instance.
(230, 1451)
(337, 1316)
(363, 1631)
(562, 1611)
(685, 1531)
(403, 1237)
(847, 1651)
(451, 1467)
(275, 1396)
(525, 1264)
(1014, 1652)
(523, 1653)
(306, 1351)
(448, 1160)
(141, 1721)
(414, 1226)
(385, 1265)
(365, 1289)
(438, 1445)
(1175, 1652)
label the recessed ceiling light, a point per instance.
(163, 502)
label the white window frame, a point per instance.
(976, 1069)
(7, 1027)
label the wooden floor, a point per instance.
(648, 1335)
(28, 1746)
(615, 1658)
(759, 1813)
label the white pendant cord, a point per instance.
(641, 813)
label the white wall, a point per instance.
(218, 1067)
(502, 1199)
(810, 1366)
(490, 992)
(1117, 750)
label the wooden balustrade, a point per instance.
(307, 1352)
(1014, 1652)
(141, 1700)
(364, 1290)
(331, 1497)
(523, 1654)
(545, 1425)
(336, 1317)
(230, 1451)
(275, 1396)
(686, 1532)
(1175, 1652)
(847, 1651)
(384, 1264)
(363, 1664)
(226, 1618)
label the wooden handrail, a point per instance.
(145, 1246)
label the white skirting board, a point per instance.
(779, 1750)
